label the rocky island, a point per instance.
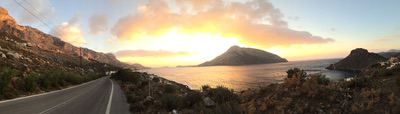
(236, 55)
(357, 60)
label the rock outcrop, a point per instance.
(357, 60)
(34, 48)
(244, 56)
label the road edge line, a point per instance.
(110, 98)
(41, 94)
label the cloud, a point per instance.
(257, 22)
(43, 9)
(70, 32)
(97, 23)
(149, 53)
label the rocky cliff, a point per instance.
(244, 56)
(357, 60)
(26, 47)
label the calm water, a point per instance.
(243, 77)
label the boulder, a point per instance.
(208, 102)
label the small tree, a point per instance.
(31, 82)
(5, 78)
(296, 73)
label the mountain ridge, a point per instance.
(236, 55)
(357, 60)
(17, 38)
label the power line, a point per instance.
(44, 23)
(35, 9)
(58, 29)
(32, 14)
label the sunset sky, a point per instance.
(159, 33)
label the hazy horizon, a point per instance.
(188, 32)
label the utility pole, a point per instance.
(81, 57)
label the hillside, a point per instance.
(357, 60)
(244, 56)
(26, 48)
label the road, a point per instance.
(89, 98)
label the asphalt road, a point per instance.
(89, 98)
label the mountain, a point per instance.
(357, 60)
(24, 47)
(236, 55)
(390, 53)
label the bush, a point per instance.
(73, 78)
(5, 78)
(222, 94)
(156, 79)
(169, 88)
(127, 75)
(192, 98)
(205, 87)
(296, 73)
(31, 82)
(362, 82)
(170, 102)
(132, 98)
(321, 79)
(59, 78)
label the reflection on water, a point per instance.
(243, 77)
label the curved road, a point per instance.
(89, 98)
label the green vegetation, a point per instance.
(221, 94)
(127, 75)
(296, 73)
(169, 88)
(6, 75)
(167, 96)
(303, 93)
(298, 93)
(14, 83)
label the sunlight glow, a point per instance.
(203, 46)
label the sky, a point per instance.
(158, 33)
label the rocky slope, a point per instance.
(24, 47)
(357, 60)
(244, 56)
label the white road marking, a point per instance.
(110, 99)
(45, 111)
(20, 98)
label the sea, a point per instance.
(245, 77)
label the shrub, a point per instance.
(205, 87)
(45, 82)
(127, 75)
(222, 94)
(156, 79)
(362, 82)
(296, 73)
(169, 88)
(192, 98)
(73, 78)
(170, 102)
(59, 78)
(132, 98)
(5, 78)
(321, 79)
(31, 82)
(398, 80)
